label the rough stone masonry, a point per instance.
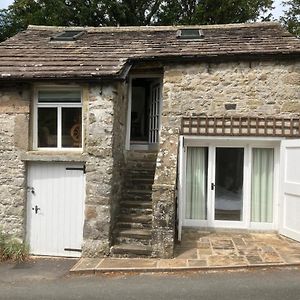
(14, 128)
(260, 88)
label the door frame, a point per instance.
(213, 159)
(239, 142)
(144, 146)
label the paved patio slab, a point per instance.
(207, 250)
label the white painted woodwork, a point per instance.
(290, 189)
(154, 116)
(212, 143)
(59, 195)
(181, 187)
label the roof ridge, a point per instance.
(153, 28)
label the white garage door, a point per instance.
(290, 185)
(55, 205)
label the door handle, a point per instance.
(31, 189)
(36, 209)
(212, 186)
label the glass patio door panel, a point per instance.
(196, 183)
(154, 114)
(229, 179)
(229, 186)
(262, 185)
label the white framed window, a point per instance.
(58, 119)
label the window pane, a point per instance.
(59, 96)
(262, 185)
(71, 127)
(196, 183)
(229, 184)
(47, 127)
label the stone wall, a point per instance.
(119, 136)
(14, 129)
(257, 89)
(103, 139)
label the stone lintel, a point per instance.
(54, 156)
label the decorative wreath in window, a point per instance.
(76, 134)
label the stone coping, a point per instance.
(111, 265)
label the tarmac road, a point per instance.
(49, 279)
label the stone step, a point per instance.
(137, 192)
(137, 195)
(135, 177)
(138, 180)
(136, 204)
(133, 236)
(133, 225)
(138, 165)
(135, 218)
(138, 186)
(131, 250)
(141, 155)
(137, 198)
(136, 210)
(135, 233)
(143, 170)
(136, 174)
(130, 241)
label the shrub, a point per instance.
(12, 248)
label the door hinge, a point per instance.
(76, 169)
(72, 249)
(212, 186)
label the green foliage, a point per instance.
(127, 13)
(213, 11)
(12, 249)
(291, 18)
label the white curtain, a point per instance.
(262, 185)
(196, 182)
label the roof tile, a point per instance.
(104, 51)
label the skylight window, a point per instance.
(190, 33)
(68, 35)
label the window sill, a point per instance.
(58, 156)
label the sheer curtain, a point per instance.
(262, 185)
(196, 183)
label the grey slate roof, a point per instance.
(106, 51)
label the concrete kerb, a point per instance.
(95, 271)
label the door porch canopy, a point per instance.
(241, 126)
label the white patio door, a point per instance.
(290, 196)
(55, 208)
(154, 114)
(214, 187)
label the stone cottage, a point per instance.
(114, 140)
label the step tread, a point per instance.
(135, 232)
(138, 249)
(136, 202)
(135, 218)
(145, 191)
(140, 179)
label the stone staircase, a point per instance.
(132, 236)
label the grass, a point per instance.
(12, 248)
